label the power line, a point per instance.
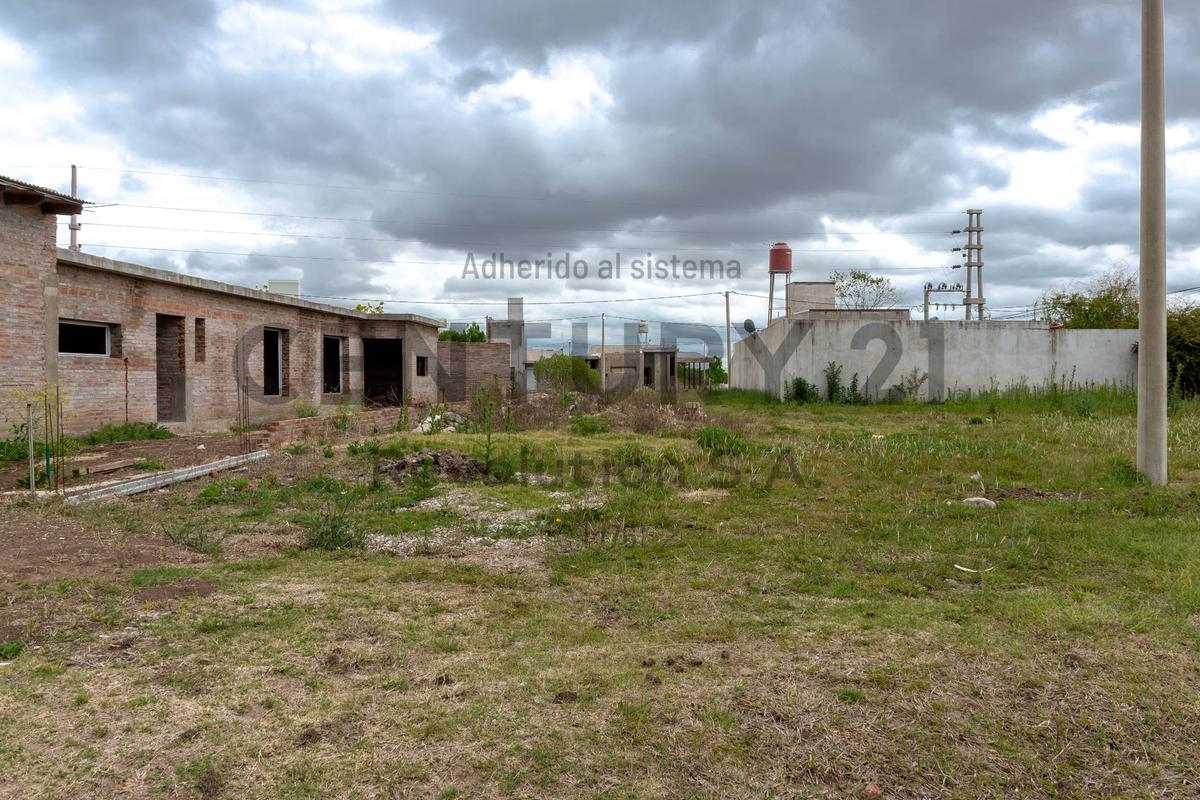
(462, 244)
(506, 226)
(270, 255)
(505, 301)
(539, 198)
(394, 261)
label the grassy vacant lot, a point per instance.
(843, 627)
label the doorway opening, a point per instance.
(169, 368)
(272, 362)
(383, 371)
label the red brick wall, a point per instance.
(95, 387)
(367, 423)
(170, 343)
(38, 290)
(27, 259)
(463, 367)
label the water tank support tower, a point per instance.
(780, 263)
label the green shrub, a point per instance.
(14, 449)
(563, 373)
(833, 383)
(801, 391)
(109, 433)
(471, 333)
(10, 650)
(718, 440)
(1183, 350)
(909, 386)
(587, 425)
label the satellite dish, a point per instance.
(748, 326)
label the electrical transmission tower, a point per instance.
(974, 265)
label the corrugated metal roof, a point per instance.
(33, 187)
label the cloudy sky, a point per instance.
(368, 147)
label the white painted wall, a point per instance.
(975, 356)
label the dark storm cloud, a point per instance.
(731, 124)
(118, 41)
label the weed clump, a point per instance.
(801, 391)
(304, 409)
(110, 433)
(192, 534)
(720, 441)
(335, 526)
(588, 425)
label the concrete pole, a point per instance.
(74, 226)
(1152, 272)
(603, 376)
(967, 299)
(728, 343)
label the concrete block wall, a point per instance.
(955, 356)
(464, 367)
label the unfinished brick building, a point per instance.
(125, 342)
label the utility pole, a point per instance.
(728, 343)
(74, 226)
(603, 376)
(930, 289)
(974, 265)
(1152, 269)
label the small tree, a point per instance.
(1111, 301)
(1107, 301)
(1183, 349)
(858, 289)
(716, 372)
(563, 373)
(472, 333)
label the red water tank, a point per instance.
(781, 258)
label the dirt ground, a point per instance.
(181, 451)
(37, 547)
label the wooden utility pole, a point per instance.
(1152, 269)
(728, 343)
